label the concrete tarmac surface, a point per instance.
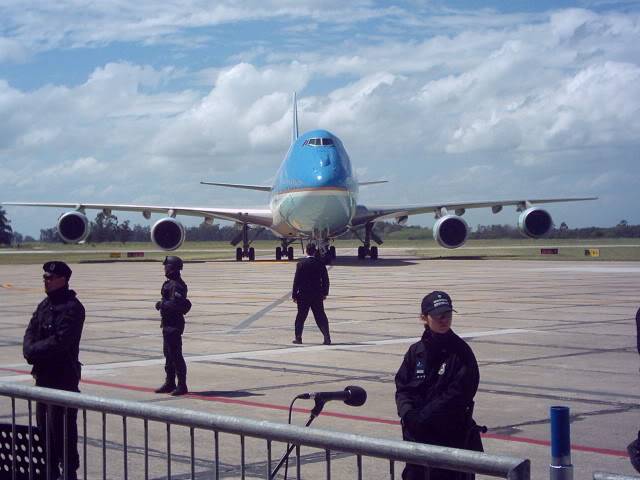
(545, 333)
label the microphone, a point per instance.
(351, 395)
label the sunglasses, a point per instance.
(49, 278)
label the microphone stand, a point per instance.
(312, 416)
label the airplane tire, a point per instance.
(361, 252)
(290, 253)
(252, 254)
(373, 253)
(278, 253)
(332, 252)
(238, 254)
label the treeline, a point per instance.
(489, 232)
(106, 228)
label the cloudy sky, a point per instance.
(136, 102)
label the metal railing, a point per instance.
(328, 442)
(613, 476)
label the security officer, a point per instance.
(310, 288)
(173, 306)
(51, 344)
(634, 447)
(435, 386)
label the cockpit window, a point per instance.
(318, 141)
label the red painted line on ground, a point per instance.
(359, 418)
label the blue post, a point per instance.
(560, 467)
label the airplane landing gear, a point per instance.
(367, 250)
(246, 251)
(285, 250)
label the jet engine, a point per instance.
(167, 233)
(402, 220)
(534, 222)
(450, 231)
(73, 227)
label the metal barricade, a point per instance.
(613, 476)
(328, 444)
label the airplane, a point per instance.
(314, 198)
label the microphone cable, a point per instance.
(286, 463)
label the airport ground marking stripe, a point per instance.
(359, 418)
(90, 369)
(256, 316)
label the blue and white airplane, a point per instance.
(315, 199)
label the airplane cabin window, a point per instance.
(327, 141)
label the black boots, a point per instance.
(174, 390)
(181, 389)
(167, 387)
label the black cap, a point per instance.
(436, 302)
(56, 267)
(173, 261)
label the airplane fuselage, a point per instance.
(315, 191)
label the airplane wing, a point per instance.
(367, 214)
(262, 217)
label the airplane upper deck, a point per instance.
(316, 160)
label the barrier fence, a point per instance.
(613, 476)
(327, 453)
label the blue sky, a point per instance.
(136, 102)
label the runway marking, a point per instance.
(99, 368)
(358, 418)
(256, 316)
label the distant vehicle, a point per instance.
(313, 199)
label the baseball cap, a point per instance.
(436, 302)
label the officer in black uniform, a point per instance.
(435, 386)
(634, 447)
(173, 306)
(310, 288)
(51, 344)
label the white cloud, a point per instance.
(83, 167)
(12, 50)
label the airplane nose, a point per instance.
(325, 161)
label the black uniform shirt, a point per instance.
(173, 304)
(435, 386)
(52, 340)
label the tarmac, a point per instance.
(545, 333)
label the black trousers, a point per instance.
(317, 307)
(56, 439)
(174, 364)
(418, 472)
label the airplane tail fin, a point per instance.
(294, 130)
